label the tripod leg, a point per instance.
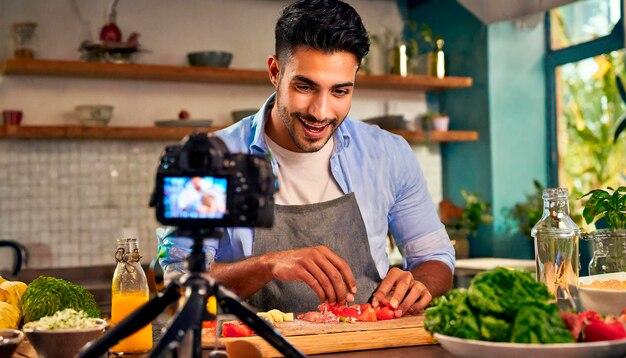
(231, 303)
(189, 317)
(131, 324)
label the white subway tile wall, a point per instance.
(68, 201)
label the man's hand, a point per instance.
(402, 292)
(319, 267)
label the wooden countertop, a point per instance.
(25, 350)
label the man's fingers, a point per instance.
(342, 266)
(322, 278)
(336, 280)
(410, 298)
(307, 278)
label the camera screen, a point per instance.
(198, 197)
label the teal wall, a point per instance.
(506, 105)
(517, 107)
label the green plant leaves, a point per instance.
(609, 203)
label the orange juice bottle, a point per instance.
(128, 292)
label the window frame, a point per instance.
(555, 58)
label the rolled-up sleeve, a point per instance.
(413, 219)
(433, 246)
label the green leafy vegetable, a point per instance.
(500, 305)
(501, 291)
(47, 295)
(453, 316)
(494, 329)
(540, 323)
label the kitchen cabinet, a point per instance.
(145, 72)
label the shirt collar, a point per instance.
(341, 136)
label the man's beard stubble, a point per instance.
(289, 120)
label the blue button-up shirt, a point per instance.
(382, 171)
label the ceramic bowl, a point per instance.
(94, 114)
(9, 340)
(602, 300)
(63, 343)
(210, 58)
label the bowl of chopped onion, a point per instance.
(605, 293)
(63, 334)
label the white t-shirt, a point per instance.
(304, 178)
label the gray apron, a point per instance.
(336, 224)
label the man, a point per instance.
(342, 185)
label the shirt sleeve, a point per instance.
(174, 249)
(413, 219)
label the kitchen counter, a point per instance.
(428, 351)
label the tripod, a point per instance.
(198, 287)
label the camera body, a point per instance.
(201, 185)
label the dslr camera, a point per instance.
(201, 185)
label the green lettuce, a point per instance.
(500, 305)
(540, 323)
(452, 316)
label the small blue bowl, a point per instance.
(210, 58)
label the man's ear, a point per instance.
(273, 69)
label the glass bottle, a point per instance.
(128, 292)
(556, 244)
(437, 60)
(398, 60)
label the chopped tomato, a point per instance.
(574, 323)
(345, 311)
(604, 331)
(209, 324)
(236, 329)
(367, 315)
(384, 313)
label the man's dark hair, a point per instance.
(324, 25)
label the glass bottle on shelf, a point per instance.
(556, 244)
(129, 291)
(437, 60)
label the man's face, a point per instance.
(313, 96)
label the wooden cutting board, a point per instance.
(317, 338)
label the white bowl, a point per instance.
(94, 114)
(601, 300)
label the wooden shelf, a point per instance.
(177, 133)
(416, 137)
(81, 69)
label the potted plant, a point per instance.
(463, 222)
(434, 121)
(528, 212)
(608, 244)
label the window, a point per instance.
(584, 56)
